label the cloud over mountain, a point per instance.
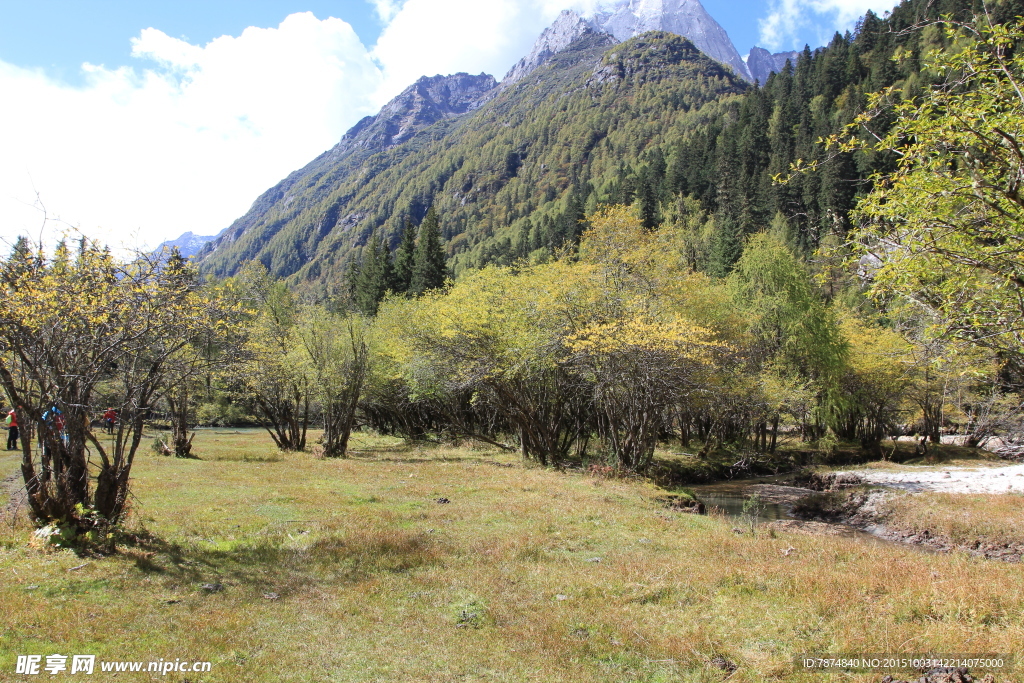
(182, 142)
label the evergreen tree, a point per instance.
(349, 284)
(537, 235)
(648, 195)
(388, 276)
(570, 224)
(726, 245)
(405, 257)
(522, 247)
(367, 277)
(376, 277)
(429, 270)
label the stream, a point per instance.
(729, 497)
(777, 502)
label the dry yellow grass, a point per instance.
(525, 575)
(963, 518)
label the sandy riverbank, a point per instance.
(1009, 479)
(966, 509)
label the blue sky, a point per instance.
(59, 35)
(135, 121)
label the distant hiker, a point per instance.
(54, 419)
(12, 430)
(109, 418)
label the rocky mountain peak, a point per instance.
(762, 63)
(688, 18)
(579, 43)
(568, 27)
(423, 103)
(621, 20)
(188, 245)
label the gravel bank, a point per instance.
(1008, 479)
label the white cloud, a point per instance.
(787, 17)
(428, 37)
(187, 139)
(185, 145)
(160, 47)
(386, 9)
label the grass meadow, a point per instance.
(962, 518)
(351, 570)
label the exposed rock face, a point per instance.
(624, 19)
(422, 104)
(448, 99)
(688, 18)
(425, 102)
(657, 55)
(188, 245)
(761, 63)
(567, 27)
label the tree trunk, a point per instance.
(181, 439)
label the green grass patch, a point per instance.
(305, 569)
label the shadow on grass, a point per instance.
(416, 461)
(672, 469)
(284, 562)
(270, 457)
(937, 454)
(392, 455)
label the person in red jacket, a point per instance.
(12, 430)
(109, 418)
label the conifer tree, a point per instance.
(523, 241)
(648, 196)
(375, 278)
(350, 282)
(405, 258)
(366, 279)
(726, 245)
(429, 270)
(388, 276)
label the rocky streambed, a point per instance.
(775, 507)
(856, 504)
(869, 511)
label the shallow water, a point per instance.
(730, 496)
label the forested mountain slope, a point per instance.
(651, 121)
(520, 157)
(717, 176)
(429, 100)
